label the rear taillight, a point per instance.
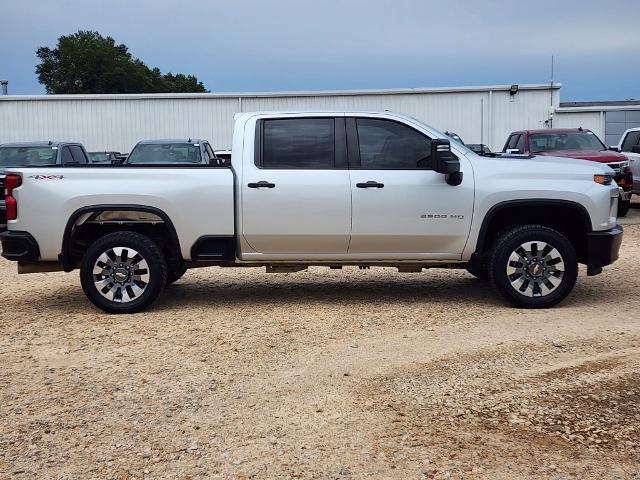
(11, 182)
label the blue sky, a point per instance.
(269, 45)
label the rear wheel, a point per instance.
(533, 267)
(623, 207)
(123, 272)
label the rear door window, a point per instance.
(298, 143)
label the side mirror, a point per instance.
(614, 148)
(635, 149)
(443, 161)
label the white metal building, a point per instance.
(116, 122)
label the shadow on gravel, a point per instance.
(453, 291)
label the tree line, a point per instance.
(87, 62)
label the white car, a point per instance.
(630, 146)
(318, 188)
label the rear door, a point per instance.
(296, 196)
(402, 210)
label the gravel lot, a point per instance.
(322, 374)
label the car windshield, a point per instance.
(165, 153)
(546, 142)
(98, 157)
(25, 156)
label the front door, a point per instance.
(399, 207)
(296, 197)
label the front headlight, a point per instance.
(603, 178)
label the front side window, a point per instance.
(165, 153)
(548, 142)
(632, 139)
(25, 156)
(298, 143)
(388, 145)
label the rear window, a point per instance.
(25, 156)
(165, 153)
(98, 157)
(546, 142)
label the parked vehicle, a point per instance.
(325, 188)
(479, 148)
(575, 143)
(104, 157)
(630, 146)
(36, 154)
(171, 151)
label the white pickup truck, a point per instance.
(318, 188)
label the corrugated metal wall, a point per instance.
(590, 120)
(112, 122)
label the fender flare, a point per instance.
(536, 202)
(65, 256)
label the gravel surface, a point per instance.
(322, 374)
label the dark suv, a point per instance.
(577, 143)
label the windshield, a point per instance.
(165, 153)
(25, 156)
(546, 142)
(98, 157)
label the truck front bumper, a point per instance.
(602, 249)
(19, 247)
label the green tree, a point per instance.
(87, 62)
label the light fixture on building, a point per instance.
(513, 90)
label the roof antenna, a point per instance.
(189, 141)
(50, 142)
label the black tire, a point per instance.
(530, 288)
(623, 207)
(142, 280)
(176, 274)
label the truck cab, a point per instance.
(630, 146)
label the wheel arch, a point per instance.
(565, 217)
(66, 256)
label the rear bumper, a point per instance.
(19, 247)
(602, 249)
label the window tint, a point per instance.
(513, 140)
(78, 154)
(390, 145)
(298, 143)
(520, 144)
(66, 155)
(165, 153)
(632, 139)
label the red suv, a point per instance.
(575, 143)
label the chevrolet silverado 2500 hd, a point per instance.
(324, 188)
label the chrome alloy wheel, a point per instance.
(121, 274)
(535, 269)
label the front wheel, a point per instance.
(123, 272)
(623, 207)
(533, 267)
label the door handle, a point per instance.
(370, 184)
(261, 184)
